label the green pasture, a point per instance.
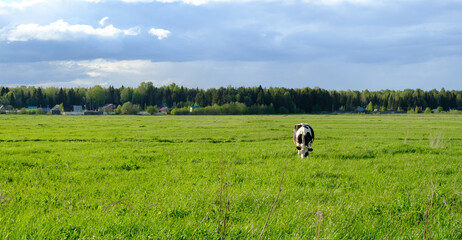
(230, 177)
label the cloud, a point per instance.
(61, 30)
(337, 2)
(196, 2)
(202, 2)
(20, 5)
(102, 22)
(74, 83)
(328, 74)
(102, 67)
(159, 33)
(118, 73)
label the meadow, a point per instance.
(230, 177)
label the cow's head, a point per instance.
(304, 151)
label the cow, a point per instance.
(303, 138)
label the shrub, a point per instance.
(40, 111)
(428, 110)
(180, 111)
(152, 109)
(128, 108)
(23, 111)
(234, 108)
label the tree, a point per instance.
(370, 107)
(459, 101)
(4, 100)
(200, 98)
(62, 97)
(38, 97)
(110, 95)
(255, 98)
(4, 90)
(71, 98)
(317, 108)
(126, 95)
(11, 97)
(96, 96)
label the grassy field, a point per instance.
(232, 177)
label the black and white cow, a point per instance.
(303, 138)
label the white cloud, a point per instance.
(94, 74)
(195, 2)
(206, 74)
(102, 22)
(21, 5)
(336, 2)
(201, 2)
(70, 84)
(159, 33)
(87, 83)
(102, 67)
(61, 30)
(120, 72)
(28, 3)
(136, 1)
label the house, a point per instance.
(77, 108)
(67, 108)
(108, 108)
(192, 108)
(163, 111)
(56, 110)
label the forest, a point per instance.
(253, 99)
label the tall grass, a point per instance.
(230, 177)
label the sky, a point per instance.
(331, 44)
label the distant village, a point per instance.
(146, 99)
(227, 109)
(64, 109)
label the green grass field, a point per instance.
(212, 177)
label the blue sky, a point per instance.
(332, 44)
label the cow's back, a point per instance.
(303, 134)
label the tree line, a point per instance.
(253, 99)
